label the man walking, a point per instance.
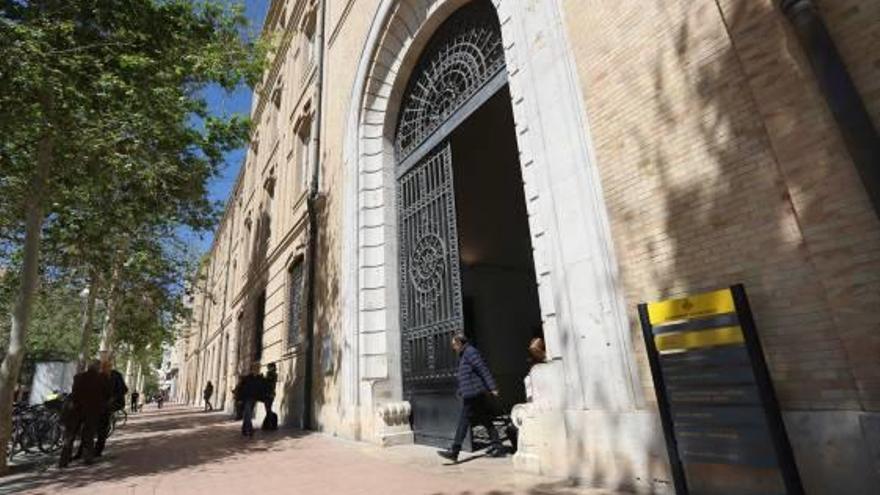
(135, 396)
(250, 391)
(474, 383)
(88, 400)
(208, 392)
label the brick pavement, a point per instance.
(183, 451)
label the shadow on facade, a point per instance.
(250, 344)
(328, 350)
(729, 219)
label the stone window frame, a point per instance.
(297, 261)
(303, 141)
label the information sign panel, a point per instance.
(724, 431)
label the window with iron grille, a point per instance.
(295, 304)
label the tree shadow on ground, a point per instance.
(153, 448)
(177, 421)
(546, 488)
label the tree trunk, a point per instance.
(140, 378)
(28, 279)
(128, 371)
(88, 317)
(109, 331)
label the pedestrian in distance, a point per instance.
(250, 391)
(160, 398)
(135, 396)
(82, 414)
(208, 392)
(476, 388)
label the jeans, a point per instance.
(474, 411)
(208, 406)
(103, 432)
(86, 427)
(247, 428)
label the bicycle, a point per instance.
(25, 432)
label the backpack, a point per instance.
(270, 422)
(119, 391)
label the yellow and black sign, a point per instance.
(720, 415)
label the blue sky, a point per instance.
(222, 103)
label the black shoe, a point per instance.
(496, 452)
(448, 454)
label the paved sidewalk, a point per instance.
(183, 451)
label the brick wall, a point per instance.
(721, 164)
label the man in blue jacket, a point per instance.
(474, 383)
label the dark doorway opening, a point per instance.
(464, 247)
(501, 311)
(499, 288)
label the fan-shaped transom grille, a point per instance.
(464, 54)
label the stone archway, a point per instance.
(582, 308)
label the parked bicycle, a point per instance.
(35, 428)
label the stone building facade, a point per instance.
(647, 150)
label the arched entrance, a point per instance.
(464, 253)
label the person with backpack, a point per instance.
(207, 393)
(475, 384)
(270, 422)
(82, 412)
(250, 391)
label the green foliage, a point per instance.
(56, 321)
(151, 301)
(118, 87)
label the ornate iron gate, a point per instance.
(431, 307)
(461, 68)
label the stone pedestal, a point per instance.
(392, 424)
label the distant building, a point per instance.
(539, 168)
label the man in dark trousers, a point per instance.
(88, 401)
(135, 397)
(475, 382)
(250, 391)
(207, 393)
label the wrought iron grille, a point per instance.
(465, 53)
(430, 279)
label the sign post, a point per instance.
(723, 427)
